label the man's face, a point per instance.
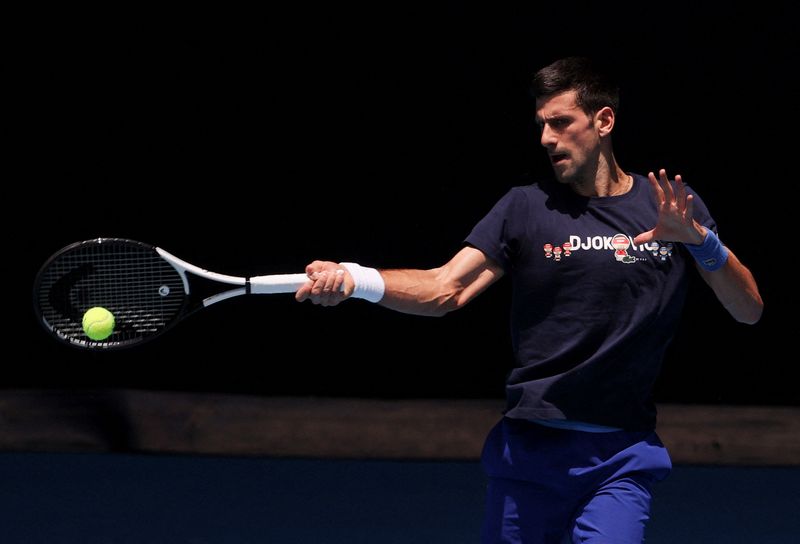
(570, 137)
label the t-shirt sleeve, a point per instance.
(499, 232)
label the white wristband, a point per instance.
(369, 282)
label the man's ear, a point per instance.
(604, 121)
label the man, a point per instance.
(599, 261)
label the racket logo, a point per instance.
(163, 290)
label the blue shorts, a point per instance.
(555, 486)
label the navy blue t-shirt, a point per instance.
(591, 313)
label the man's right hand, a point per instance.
(328, 284)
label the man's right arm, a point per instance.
(433, 292)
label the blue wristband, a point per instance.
(711, 254)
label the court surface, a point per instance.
(113, 498)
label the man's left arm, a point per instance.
(731, 281)
(736, 289)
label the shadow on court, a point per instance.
(125, 499)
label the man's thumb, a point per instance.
(643, 238)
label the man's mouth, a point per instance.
(558, 157)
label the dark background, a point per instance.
(255, 142)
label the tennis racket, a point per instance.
(146, 288)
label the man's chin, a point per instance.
(561, 178)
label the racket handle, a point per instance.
(277, 283)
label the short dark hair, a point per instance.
(594, 86)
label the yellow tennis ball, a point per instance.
(98, 323)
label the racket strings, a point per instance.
(144, 292)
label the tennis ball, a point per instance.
(98, 323)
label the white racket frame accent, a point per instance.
(259, 285)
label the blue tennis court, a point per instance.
(116, 498)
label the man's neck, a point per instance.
(616, 185)
(606, 183)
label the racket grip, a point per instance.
(277, 283)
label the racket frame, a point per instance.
(265, 284)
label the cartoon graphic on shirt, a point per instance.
(620, 245)
(663, 251)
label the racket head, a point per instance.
(144, 291)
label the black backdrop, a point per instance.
(252, 143)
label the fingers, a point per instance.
(659, 192)
(666, 193)
(326, 285)
(683, 200)
(680, 201)
(326, 290)
(644, 237)
(319, 266)
(665, 196)
(689, 213)
(666, 186)
(675, 210)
